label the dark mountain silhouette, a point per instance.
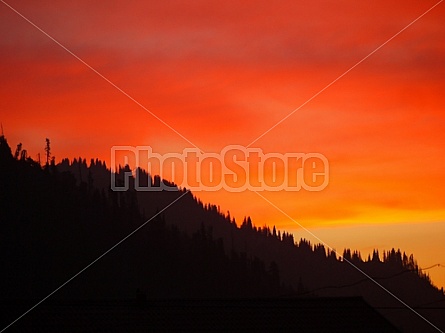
(57, 219)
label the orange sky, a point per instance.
(223, 73)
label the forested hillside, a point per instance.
(56, 219)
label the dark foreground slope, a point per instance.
(303, 315)
(56, 220)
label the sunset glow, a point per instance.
(224, 73)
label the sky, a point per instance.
(224, 73)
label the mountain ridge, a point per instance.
(193, 248)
